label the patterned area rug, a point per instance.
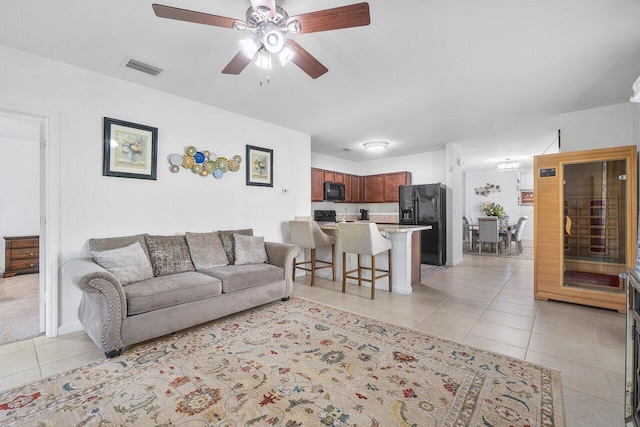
(293, 364)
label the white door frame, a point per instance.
(49, 210)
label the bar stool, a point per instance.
(363, 239)
(308, 235)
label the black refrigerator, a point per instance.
(426, 204)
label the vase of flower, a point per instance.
(493, 209)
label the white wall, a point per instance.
(455, 188)
(20, 192)
(507, 197)
(92, 205)
(604, 127)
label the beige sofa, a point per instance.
(136, 288)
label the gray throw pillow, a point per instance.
(129, 263)
(169, 255)
(250, 249)
(228, 243)
(206, 250)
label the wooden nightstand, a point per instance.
(22, 255)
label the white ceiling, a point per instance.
(485, 74)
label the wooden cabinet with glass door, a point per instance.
(585, 225)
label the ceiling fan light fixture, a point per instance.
(294, 26)
(286, 54)
(264, 11)
(249, 47)
(273, 41)
(376, 145)
(239, 26)
(263, 60)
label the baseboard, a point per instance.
(455, 262)
(71, 328)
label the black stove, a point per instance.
(324, 216)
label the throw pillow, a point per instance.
(249, 249)
(169, 255)
(206, 250)
(129, 263)
(228, 243)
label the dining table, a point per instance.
(503, 228)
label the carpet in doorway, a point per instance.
(293, 364)
(19, 308)
(427, 270)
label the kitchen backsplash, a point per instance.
(391, 218)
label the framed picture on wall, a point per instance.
(526, 197)
(259, 166)
(130, 150)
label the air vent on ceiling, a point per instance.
(145, 68)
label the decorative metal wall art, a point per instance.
(204, 163)
(487, 189)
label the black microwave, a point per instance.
(333, 192)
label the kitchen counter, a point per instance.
(383, 227)
(405, 263)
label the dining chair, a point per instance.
(465, 229)
(470, 231)
(488, 232)
(517, 233)
(309, 235)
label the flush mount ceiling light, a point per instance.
(508, 166)
(376, 145)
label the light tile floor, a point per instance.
(485, 302)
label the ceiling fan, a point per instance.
(269, 26)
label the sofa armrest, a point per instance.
(282, 255)
(104, 304)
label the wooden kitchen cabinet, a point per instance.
(317, 185)
(22, 255)
(391, 183)
(378, 188)
(329, 176)
(355, 188)
(374, 189)
(348, 196)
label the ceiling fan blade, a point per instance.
(237, 64)
(306, 62)
(355, 15)
(269, 4)
(192, 16)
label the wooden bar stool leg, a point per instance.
(333, 262)
(294, 270)
(313, 266)
(390, 283)
(373, 276)
(344, 272)
(359, 272)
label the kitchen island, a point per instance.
(404, 251)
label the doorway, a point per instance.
(22, 167)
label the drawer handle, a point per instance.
(31, 265)
(31, 254)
